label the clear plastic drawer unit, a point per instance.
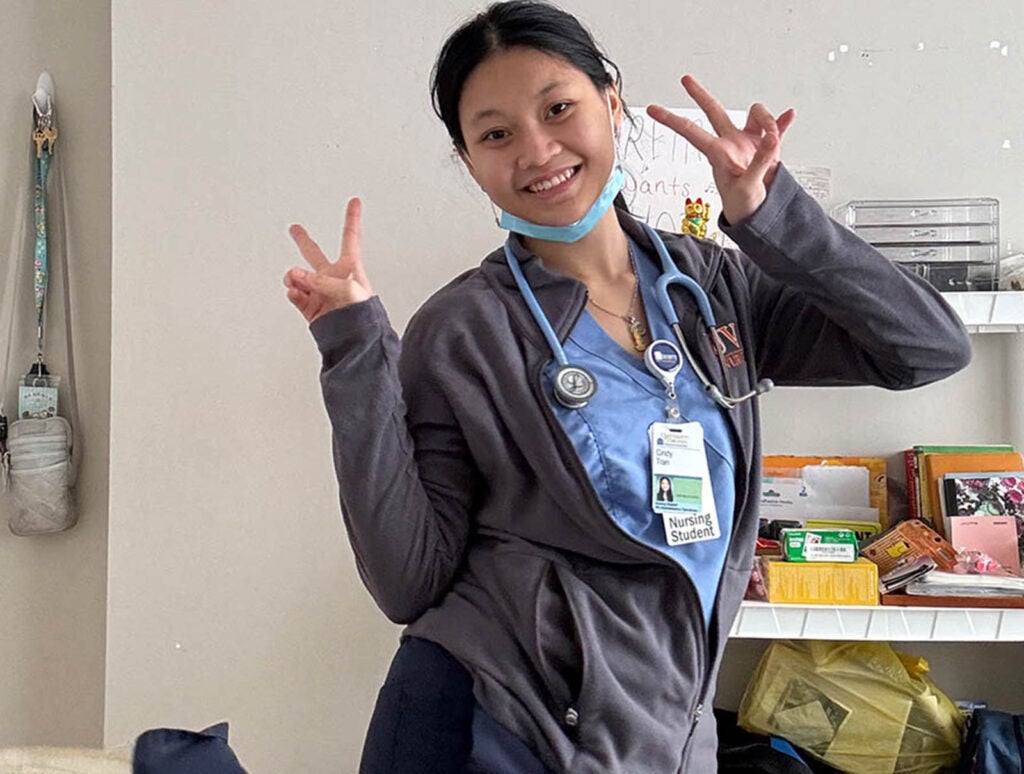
(953, 243)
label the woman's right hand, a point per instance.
(329, 286)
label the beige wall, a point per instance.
(53, 588)
(232, 593)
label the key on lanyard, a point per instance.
(664, 360)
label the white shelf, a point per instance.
(989, 312)
(762, 620)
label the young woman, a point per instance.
(495, 468)
(664, 490)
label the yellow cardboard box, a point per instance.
(823, 583)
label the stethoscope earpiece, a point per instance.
(728, 402)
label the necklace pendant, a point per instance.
(639, 333)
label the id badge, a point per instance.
(681, 483)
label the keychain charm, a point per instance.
(44, 138)
(37, 393)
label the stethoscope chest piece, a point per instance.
(574, 386)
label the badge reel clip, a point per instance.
(664, 360)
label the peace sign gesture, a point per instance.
(330, 285)
(743, 161)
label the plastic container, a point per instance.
(952, 243)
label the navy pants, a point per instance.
(426, 720)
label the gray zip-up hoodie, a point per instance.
(473, 521)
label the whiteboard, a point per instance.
(663, 169)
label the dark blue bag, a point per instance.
(176, 751)
(743, 752)
(994, 744)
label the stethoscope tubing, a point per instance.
(534, 307)
(670, 274)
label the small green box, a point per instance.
(819, 545)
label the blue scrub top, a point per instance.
(610, 435)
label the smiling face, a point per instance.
(538, 135)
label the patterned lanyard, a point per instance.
(44, 136)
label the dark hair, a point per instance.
(665, 496)
(526, 23)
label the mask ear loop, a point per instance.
(495, 211)
(494, 207)
(615, 132)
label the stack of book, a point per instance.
(933, 472)
(973, 496)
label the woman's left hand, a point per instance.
(743, 161)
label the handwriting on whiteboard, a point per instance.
(663, 169)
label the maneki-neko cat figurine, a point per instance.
(695, 221)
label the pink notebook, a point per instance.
(995, 535)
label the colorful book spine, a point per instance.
(910, 468)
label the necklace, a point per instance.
(635, 325)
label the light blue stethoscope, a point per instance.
(575, 386)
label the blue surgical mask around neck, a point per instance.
(574, 232)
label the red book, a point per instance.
(910, 468)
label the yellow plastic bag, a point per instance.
(859, 706)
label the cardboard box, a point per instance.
(823, 583)
(792, 465)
